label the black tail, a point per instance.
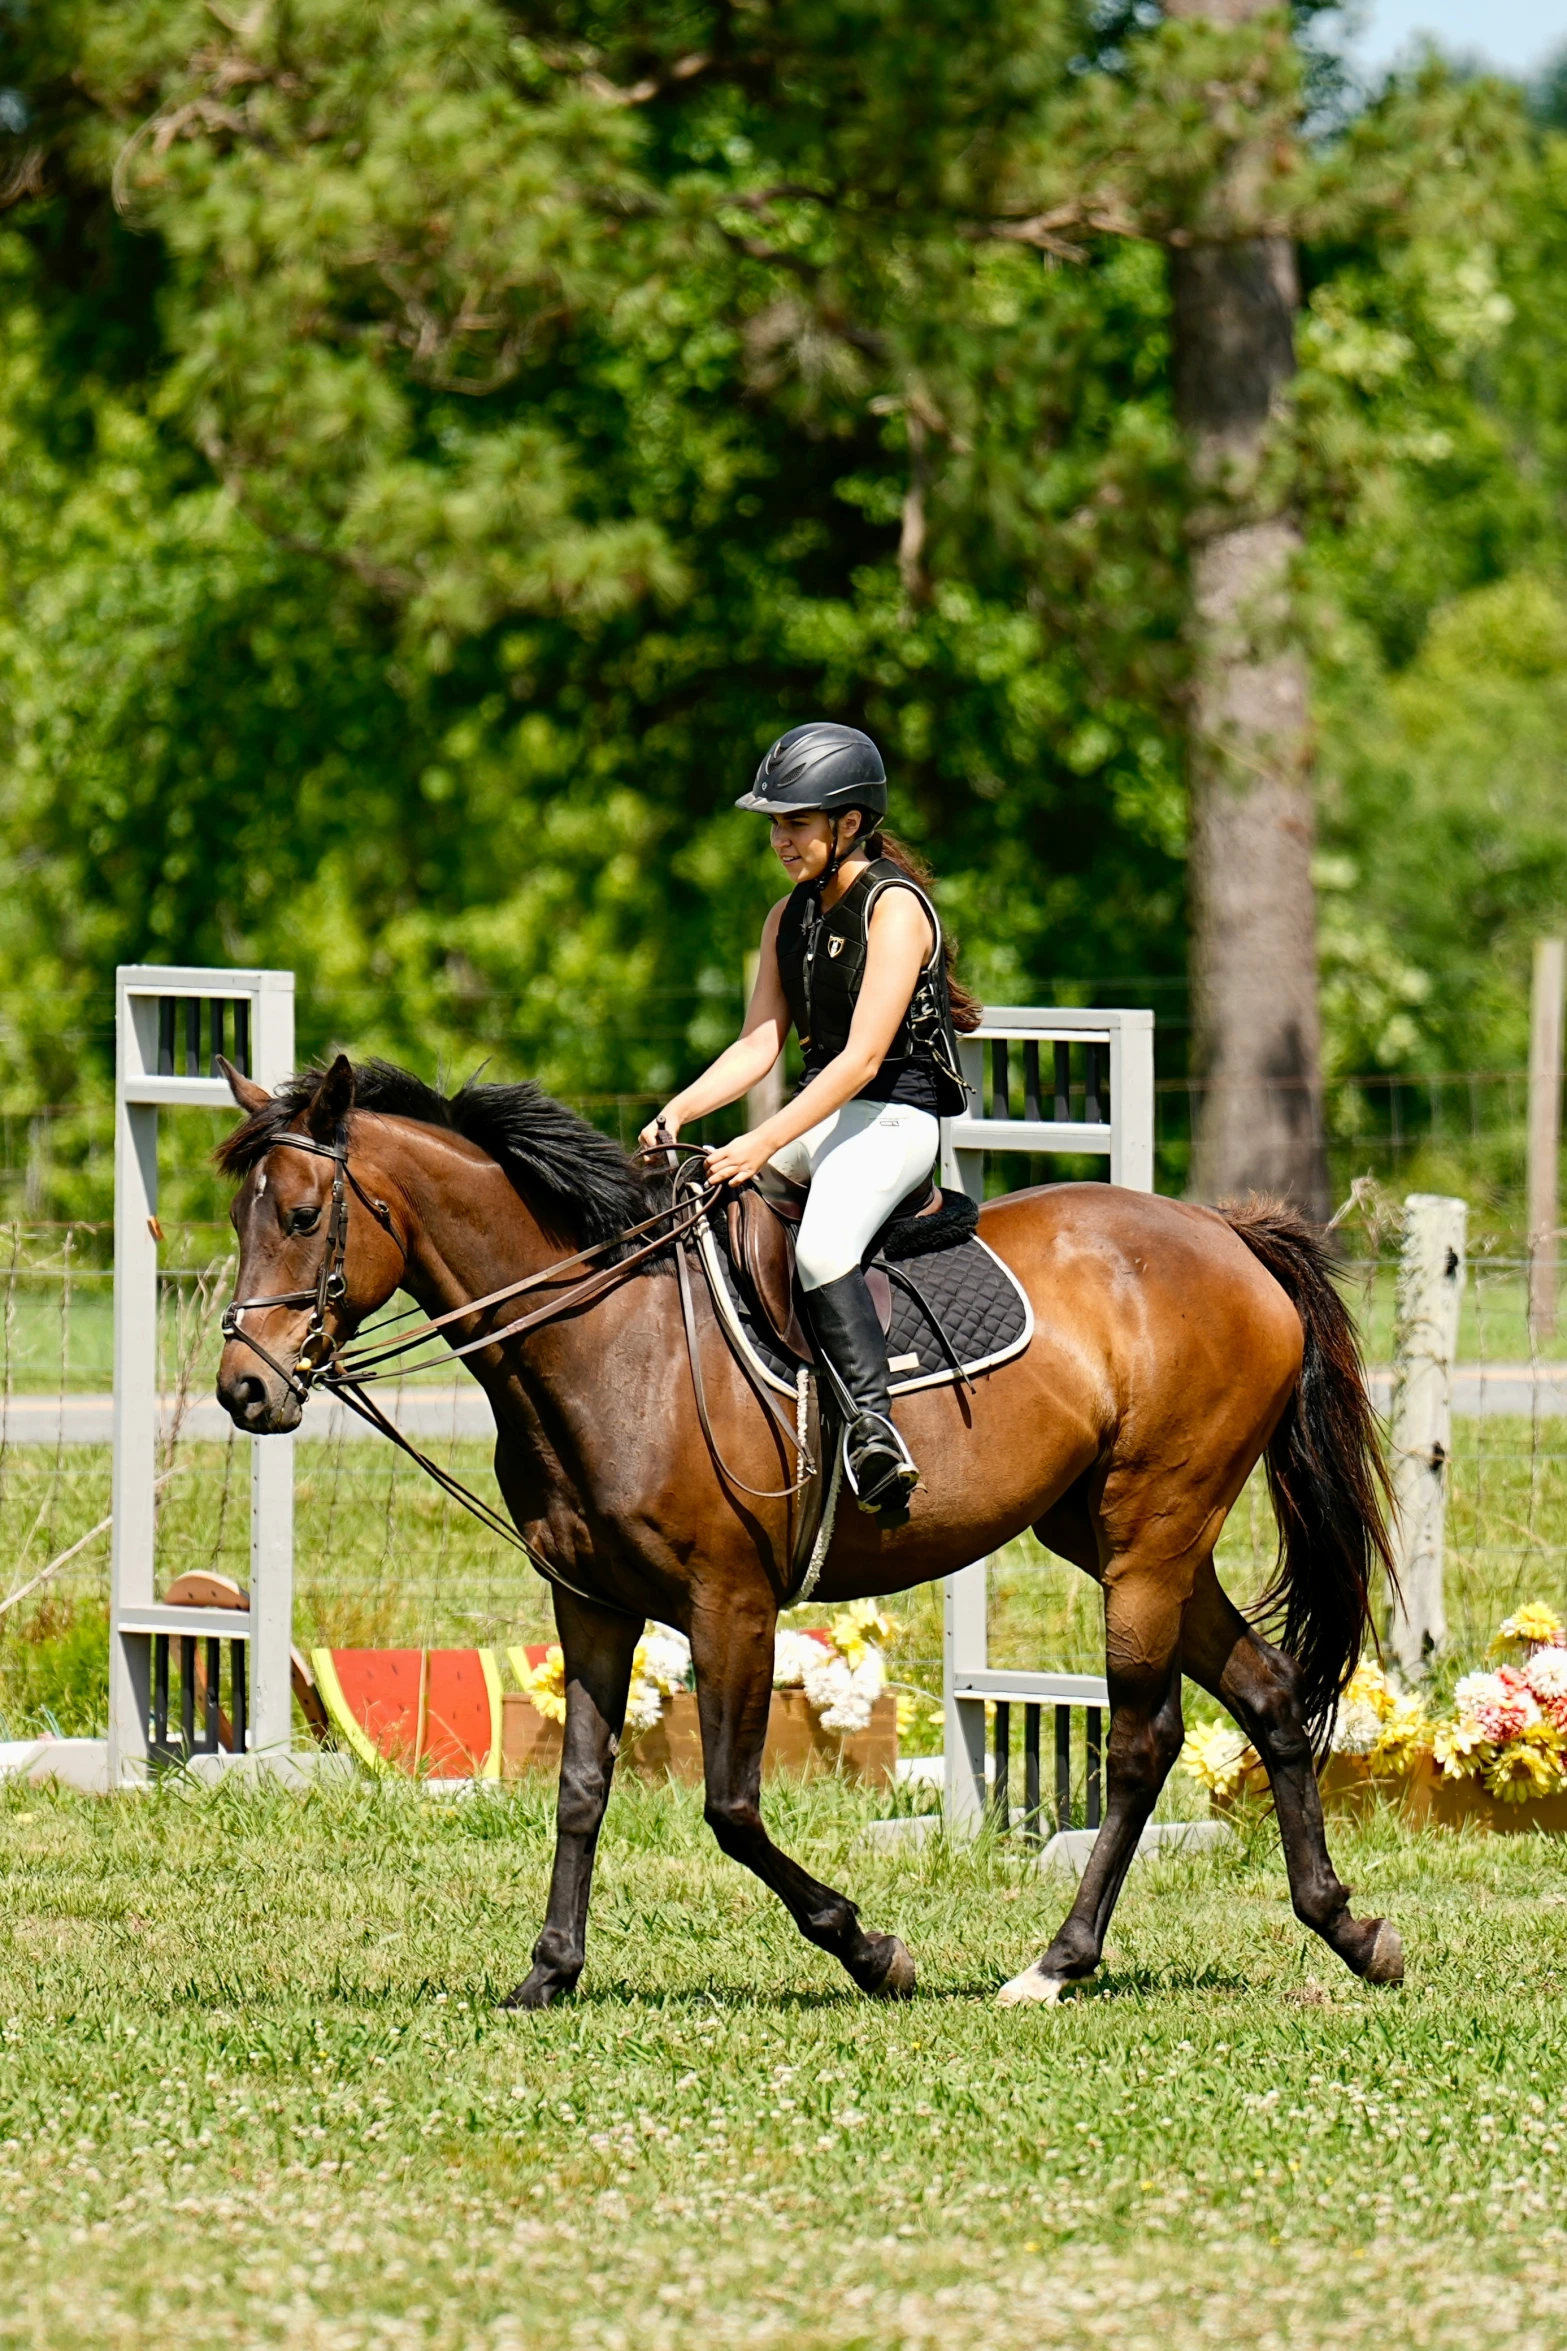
(1326, 1471)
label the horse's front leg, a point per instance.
(732, 1651)
(598, 1646)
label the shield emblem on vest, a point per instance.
(834, 947)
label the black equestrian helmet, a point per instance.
(819, 765)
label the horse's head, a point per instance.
(317, 1250)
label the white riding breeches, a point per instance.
(859, 1162)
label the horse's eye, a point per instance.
(303, 1220)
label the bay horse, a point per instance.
(1173, 1347)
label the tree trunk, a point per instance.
(1256, 1044)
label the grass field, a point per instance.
(256, 2092)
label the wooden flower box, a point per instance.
(673, 1747)
(796, 1742)
(1426, 1797)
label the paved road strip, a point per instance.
(1480, 1391)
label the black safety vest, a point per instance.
(821, 961)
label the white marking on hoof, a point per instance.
(1387, 1955)
(1034, 1986)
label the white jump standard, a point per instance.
(162, 1011)
(1113, 1050)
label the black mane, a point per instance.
(580, 1182)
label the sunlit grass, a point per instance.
(256, 2091)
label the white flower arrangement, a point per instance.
(840, 1668)
(842, 1695)
(1546, 1674)
(661, 1666)
(794, 1654)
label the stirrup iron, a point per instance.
(896, 1482)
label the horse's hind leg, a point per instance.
(1261, 1687)
(1141, 1621)
(598, 1646)
(733, 1658)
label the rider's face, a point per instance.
(803, 843)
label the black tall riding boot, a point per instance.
(854, 1353)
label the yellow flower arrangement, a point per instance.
(1507, 1732)
(545, 1683)
(1455, 1746)
(1379, 1722)
(1218, 1757)
(1369, 1686)
(1530, 1765)
(1534, 1624)
(1509, 1728)
(859, 1627)
(1405, 1736)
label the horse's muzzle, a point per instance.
(255, 1400)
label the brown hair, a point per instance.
(967, 1011)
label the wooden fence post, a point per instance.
(1545, 1132)
(1425, 1340)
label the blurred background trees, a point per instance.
(441, 443)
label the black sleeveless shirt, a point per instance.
(821, 961)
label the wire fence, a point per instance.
(1457, 1131)
(383, 1558)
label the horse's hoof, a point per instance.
(1386, 1964)
(537, 1990)
(1032, 1986)
(901, 1977)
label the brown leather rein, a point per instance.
(346, 1371)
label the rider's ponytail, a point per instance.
(967, 1012)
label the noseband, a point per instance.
(331, 1284)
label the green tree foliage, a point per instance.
(1435, 374)
(522, 430)
(441, 442)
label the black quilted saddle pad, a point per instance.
(965, 1292)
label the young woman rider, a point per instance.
(855, 961)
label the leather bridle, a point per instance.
(331, 1284)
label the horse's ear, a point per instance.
(332, 1101)
(245, 1090)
